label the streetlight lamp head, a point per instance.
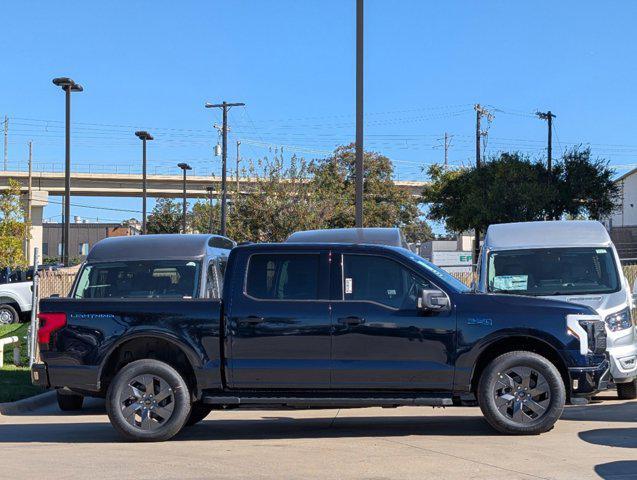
(66, 82)
(143, 135)
(184, 166)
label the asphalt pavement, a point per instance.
(594, 441)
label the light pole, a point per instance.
(144, 136)
(185, 167)
(225, 106)
(68, 86)
(210, 191)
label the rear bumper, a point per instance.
(39, 375)
(587, 381)
(76, 377)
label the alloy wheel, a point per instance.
(147, 402)
(6, 317)
(522, 394)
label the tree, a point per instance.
(166, 217)
(384, 203)
(512, 188)
(14, 230)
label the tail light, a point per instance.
(49, 323)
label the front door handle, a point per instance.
(351, 320)
(251, 320)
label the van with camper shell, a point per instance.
(572, 261)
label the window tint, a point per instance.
(381, 280)
(213, 282)
(283, 276)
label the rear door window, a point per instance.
(283, 276)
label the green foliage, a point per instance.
(512, 188)
(14, 230)
(165, 217)
(299, 195)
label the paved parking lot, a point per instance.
(597, 441)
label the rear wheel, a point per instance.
(8, 314)
(70, 402)
(627, 391)
(148, 401)
(198, 412)
(521, 393)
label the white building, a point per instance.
(622, 225)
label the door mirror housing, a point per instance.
(432, 300)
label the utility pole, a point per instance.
(6, 142)
(238, 160)
(144, 137)
(225, 106)
(480, 112)
(548, 116)
(447, 145)
(210, 190)
(359, 113)
(29, 200)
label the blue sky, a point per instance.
(152, 65)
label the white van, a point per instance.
(574, 261)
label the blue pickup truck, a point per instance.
(314, 325)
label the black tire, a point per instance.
(198, 412)
(8, 314)
(527, 412)
(627, 391)
(70, 402)
(131, 411)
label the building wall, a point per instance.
(626, 216)
(81, 234)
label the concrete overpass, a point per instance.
(126, 185)
(130, 185)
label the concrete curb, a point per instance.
(28, 404)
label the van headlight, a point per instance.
(619, 321)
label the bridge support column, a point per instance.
(39, 200)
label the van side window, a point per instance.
(381, 280)
(283, 276)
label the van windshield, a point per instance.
(557, 271)
(139, 279)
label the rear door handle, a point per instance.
(351, 320)
(252, 320)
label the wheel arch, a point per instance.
(154, 345)
(513, 343)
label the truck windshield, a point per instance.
(139, 279)
(557, 271)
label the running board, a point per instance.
(298, 401)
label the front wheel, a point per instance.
(8, 314)
(148, 401)
(521, 393)
(627, 391)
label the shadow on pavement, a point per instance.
(612, 437)
(602, 412)
(264, 428)
(623, 469)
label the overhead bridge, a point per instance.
(130, 185)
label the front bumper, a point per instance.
(623, 362)
(587, 381)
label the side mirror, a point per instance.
(55, 295)
(433, 301)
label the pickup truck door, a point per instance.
(381, 340)
(279, 322)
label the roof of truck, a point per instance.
(372, 236)
(156, 247)
(556, 233)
